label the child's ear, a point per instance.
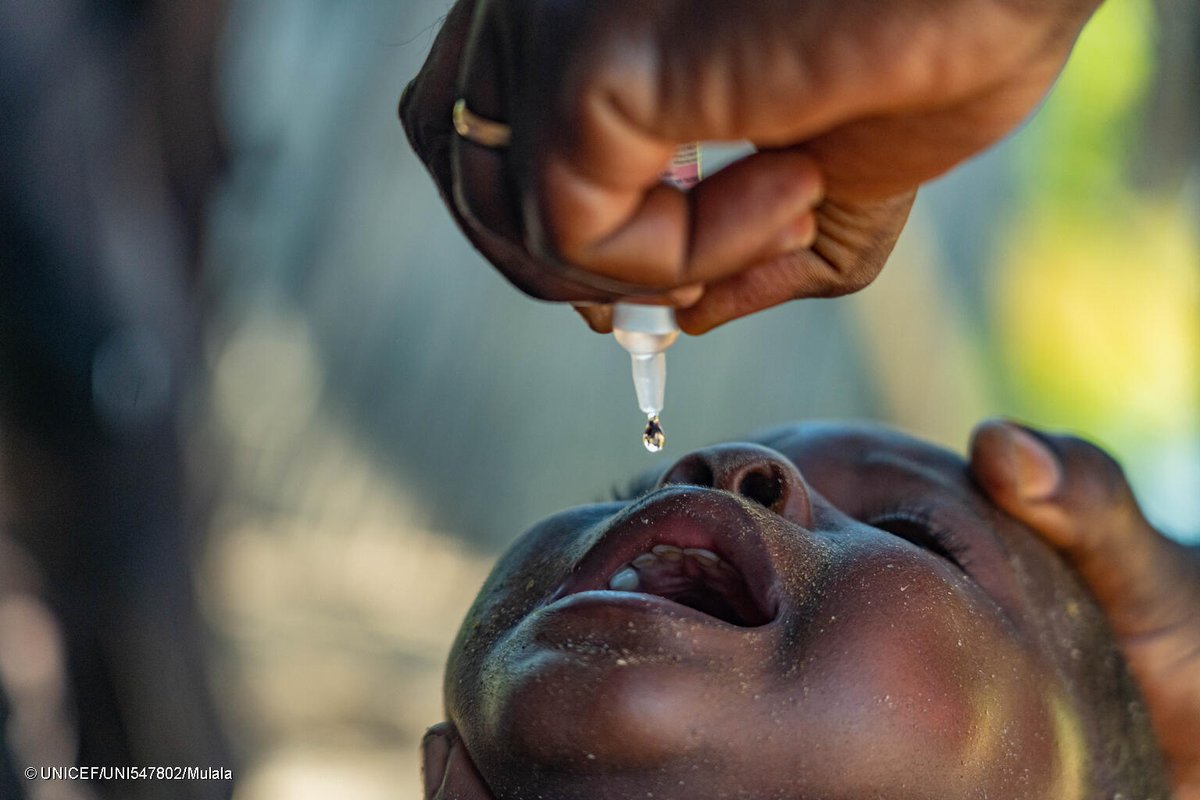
(447, 768)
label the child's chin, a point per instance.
(584, 719)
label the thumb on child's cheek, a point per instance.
(1021, 473)
(1013, 463)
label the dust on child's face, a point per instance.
(874, 628)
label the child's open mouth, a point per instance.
(697, 548)
(693, 577)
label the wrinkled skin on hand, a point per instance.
(1077, 499)
(852, 105)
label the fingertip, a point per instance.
(990, 459)
(790, 276)
(598, 316)
(698, 319)
(694, 328)
(685, 296)
(1040, 473)
(1012, 463)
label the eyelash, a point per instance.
(929, 533)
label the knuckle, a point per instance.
(847, 275)
(863, 273)
(855, 242)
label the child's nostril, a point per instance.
(691, 471)
(758, 474)
(764, 488)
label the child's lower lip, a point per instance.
(632, 603)
(604, 618)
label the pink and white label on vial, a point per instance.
(684, 171)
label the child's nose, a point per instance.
(757, 473)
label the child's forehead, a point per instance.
(823, 444)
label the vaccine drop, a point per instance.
(653, 437)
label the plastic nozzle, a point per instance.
(646, 332)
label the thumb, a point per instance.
(1076, 497)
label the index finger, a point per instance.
(428, 99)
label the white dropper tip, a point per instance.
(646, 332)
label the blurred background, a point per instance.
(267, 418)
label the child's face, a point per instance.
(873, 629)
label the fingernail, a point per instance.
(1038, 473)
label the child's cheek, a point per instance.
(921, 670)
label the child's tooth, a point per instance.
(645, 560)
(625, 580)
(667, 551)
(703, 555)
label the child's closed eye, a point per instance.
(920, 526)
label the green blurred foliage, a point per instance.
(1075, 155)
(1096, 285)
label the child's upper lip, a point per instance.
(683, 517)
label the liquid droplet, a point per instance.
(653, 437)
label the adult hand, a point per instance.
(1076, 498)
(852, 104)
